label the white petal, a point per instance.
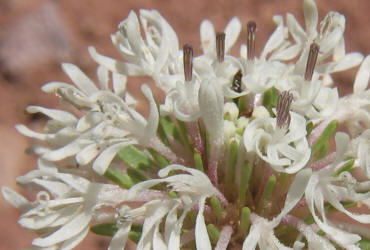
(201, 235)
(311, 16)
(79, 78)
(158, 243)
(253, 237)
(295, 29)
(64, 152)
(349, 61)
(174, 240)
(103, 76)
(362, 218)
(208, 37)
(69, 230)
(116, 66)
(56, 188)
(15, 199)
(232, 32)
(103, 161)
(274, 41)
(119, 84)
(296, 191)
(78, 183)
(37, 222)
(27, 132)
(119, 239)
(362, 77)
(153, 119)
(286, 54)
(87, 154)
(211, 103)
(58, 115)
(51, 87)
(71, 243)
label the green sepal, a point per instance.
(134, 236)
(346, 167)
(244, 182)
(106, 229)
(135, 158)
(123, 180)
(242, 103)
(198, 162)
(364, 244)
(183, 134)
(136, 175)
(159, 159)
(270, 99)
(245, 221)
(172, 195)
(231, 163)
(169, 128)
(214, 233)
(227, 116)
(323, 150)
(309, 128)
(324, 137)
(216, 207)
(267, 192)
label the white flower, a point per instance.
(354, 109)
(324, 186)
(237, 125)
(361, 145)
(286, 150)
(109, 124)
(262, 230)
(329, 38)
(64, 220)
(145, 57)
(191, 189)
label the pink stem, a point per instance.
(323, 162)
(302, 203)
(297, 223)
(212, 170)
(224, 238)
(315, 134)
(158, 145)
(196, 137)
(266, 175)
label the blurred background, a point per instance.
(37, 35)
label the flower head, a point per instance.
(237, 156)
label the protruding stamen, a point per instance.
(188, 62)
(282, 109)
(311, 61)
(220, 46)
(237, 82)
(251, 39)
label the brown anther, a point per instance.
(282, 109)
(188, 62)
(311, 61)
(251, 39)
(237, 82)
(220, 46)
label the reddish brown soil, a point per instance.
(35, 36)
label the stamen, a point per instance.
(237, 82)
(282, 109)
(251, 39)
(188, 62)
(220, 46)
(311, 61)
